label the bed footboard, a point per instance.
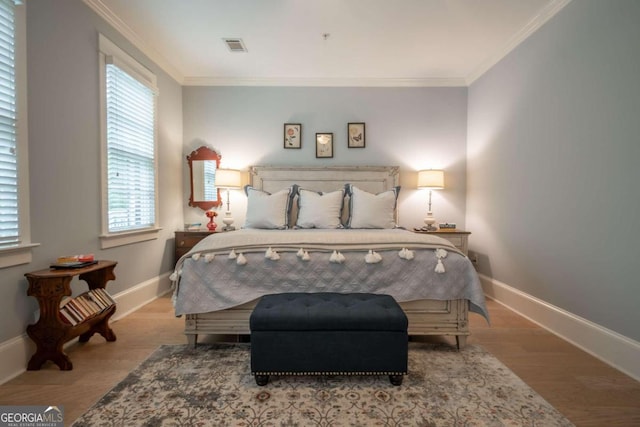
(426, 317)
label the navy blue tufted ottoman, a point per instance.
(328, 334)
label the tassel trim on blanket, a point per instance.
(406, 254)
(241, 260)
(440, 254)
(303, 255)
(372, 257)
(336, 257)
(272, 255)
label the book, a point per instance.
(90, 304)
(72, 264)
(79, 301)
(66, 312)
(103, 293)
(99, 294)
(79, 308)
(75, 258)
(64, 300)
(74, 312)
(66, 316)
(93, 296)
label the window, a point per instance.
(9, 220)
(129, 148)
(15, 245)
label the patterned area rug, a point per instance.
(211, 385)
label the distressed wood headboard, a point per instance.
(373, 179)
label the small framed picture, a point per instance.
(292, 135)
(355, 133)
(324, 145)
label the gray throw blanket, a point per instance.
(229, 269)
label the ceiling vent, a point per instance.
(235, 45)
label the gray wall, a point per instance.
(553, 178)
(414, 128)
(64, 156)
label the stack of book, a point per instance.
(89, 304)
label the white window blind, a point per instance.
(9, 220)
(130, 108)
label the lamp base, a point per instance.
(228, 220)
(429, 220)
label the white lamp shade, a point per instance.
(228, 178)
(431, 179)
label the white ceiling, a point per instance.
(370, 42)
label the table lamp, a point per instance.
(431, 179)
(228, 179)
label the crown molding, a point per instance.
(532, 26)
(325, 82)
(538, 21)
(112, 19)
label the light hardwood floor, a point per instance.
(585, 390)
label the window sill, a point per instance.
(128, 237)
(16, 255)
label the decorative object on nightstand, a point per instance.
(228, 179)
(192, 226)
(431, 179)
(211, 225)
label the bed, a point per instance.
(329, 229)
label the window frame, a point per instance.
(21, 253)
(110, 53)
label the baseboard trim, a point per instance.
(16, 352)
(609, 346)
(143, 293)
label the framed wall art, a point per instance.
(292, 135)
(356, 136)
(324, 145)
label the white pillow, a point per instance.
(368, 210)
(266, 210)
(319, 210)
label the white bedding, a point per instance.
(208, 280)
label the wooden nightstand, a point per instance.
(459, 238)
(186, 240)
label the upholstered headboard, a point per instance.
(374, 179)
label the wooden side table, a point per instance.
(186, 240)
(50, 332)
(459, 238)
